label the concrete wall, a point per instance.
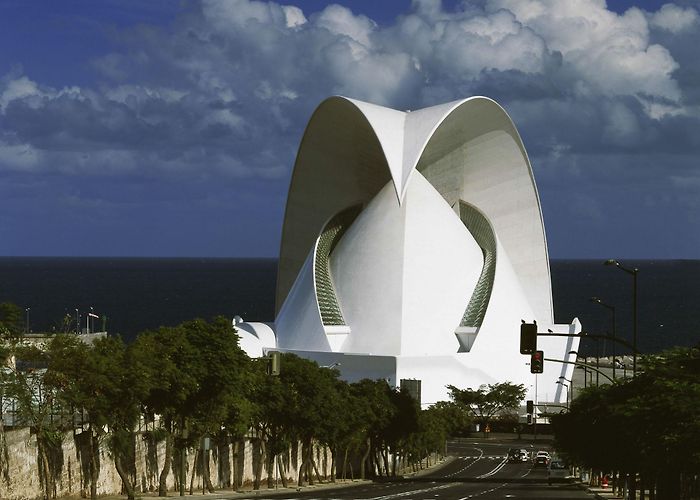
(70, 466)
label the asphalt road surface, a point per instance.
(477, 469)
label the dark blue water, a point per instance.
(140, 294)
(668, 301)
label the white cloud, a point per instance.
(674, 19)
(19, 88)
(294, 16)
(605, 52)
(208, 93)
(341, 21)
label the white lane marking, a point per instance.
(491, 490)
(415, 492)
(496, 469)
(496, 487)
(476, 459)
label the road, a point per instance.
(477, 469)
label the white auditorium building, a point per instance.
(413, 246)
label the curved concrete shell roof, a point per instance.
(467, 150)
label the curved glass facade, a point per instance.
(482, 232)
(331, 313)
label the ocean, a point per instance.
(137, 294)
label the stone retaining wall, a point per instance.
(70, 466)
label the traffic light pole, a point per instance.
(584, 335)
(534, 410)
(577, 363)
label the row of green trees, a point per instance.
(648, 425)
(193, 380)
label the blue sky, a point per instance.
(163, 128)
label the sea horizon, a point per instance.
(143, 293)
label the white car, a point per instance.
(542, 459)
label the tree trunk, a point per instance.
(302, 465)
(167, 458)
(126, 480)
(197, 461)
(345, 463)
(310, 461)
(257, 472)
(315, 468)
(305, 468)
(270, 468)
(4, 455)
(282, 471)
(365, 457)
(94, 470)
(206, 471)
(44, 469)
(234, 466)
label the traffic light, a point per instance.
(530, 406)
(528, 338)
(529, 419)
(537, 362)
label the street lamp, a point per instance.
(583, 367)
(567, 392)
(633, 271)
(571, 385)
(612, 310)
(597, 358)
(26, 327)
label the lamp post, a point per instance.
(571, 385)
(633, 271)
(26, 327)
(567, 392)
(585, 371)
(612, 310)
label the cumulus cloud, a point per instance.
(674, 19)
(227, 88)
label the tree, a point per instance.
(197, 383)
(11, 321)
(28, 383)
(224, 380)
(104, 382)
(488, 401)
(647, 424)
(169, 364)
(312, 406)
(375, 411)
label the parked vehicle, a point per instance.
(557, 464)
(542, 459)
(518, 455)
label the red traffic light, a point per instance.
(537, 362)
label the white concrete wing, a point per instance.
(416, 236)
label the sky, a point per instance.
(166, 128)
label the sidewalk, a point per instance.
(248, 492)
(602, 493)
